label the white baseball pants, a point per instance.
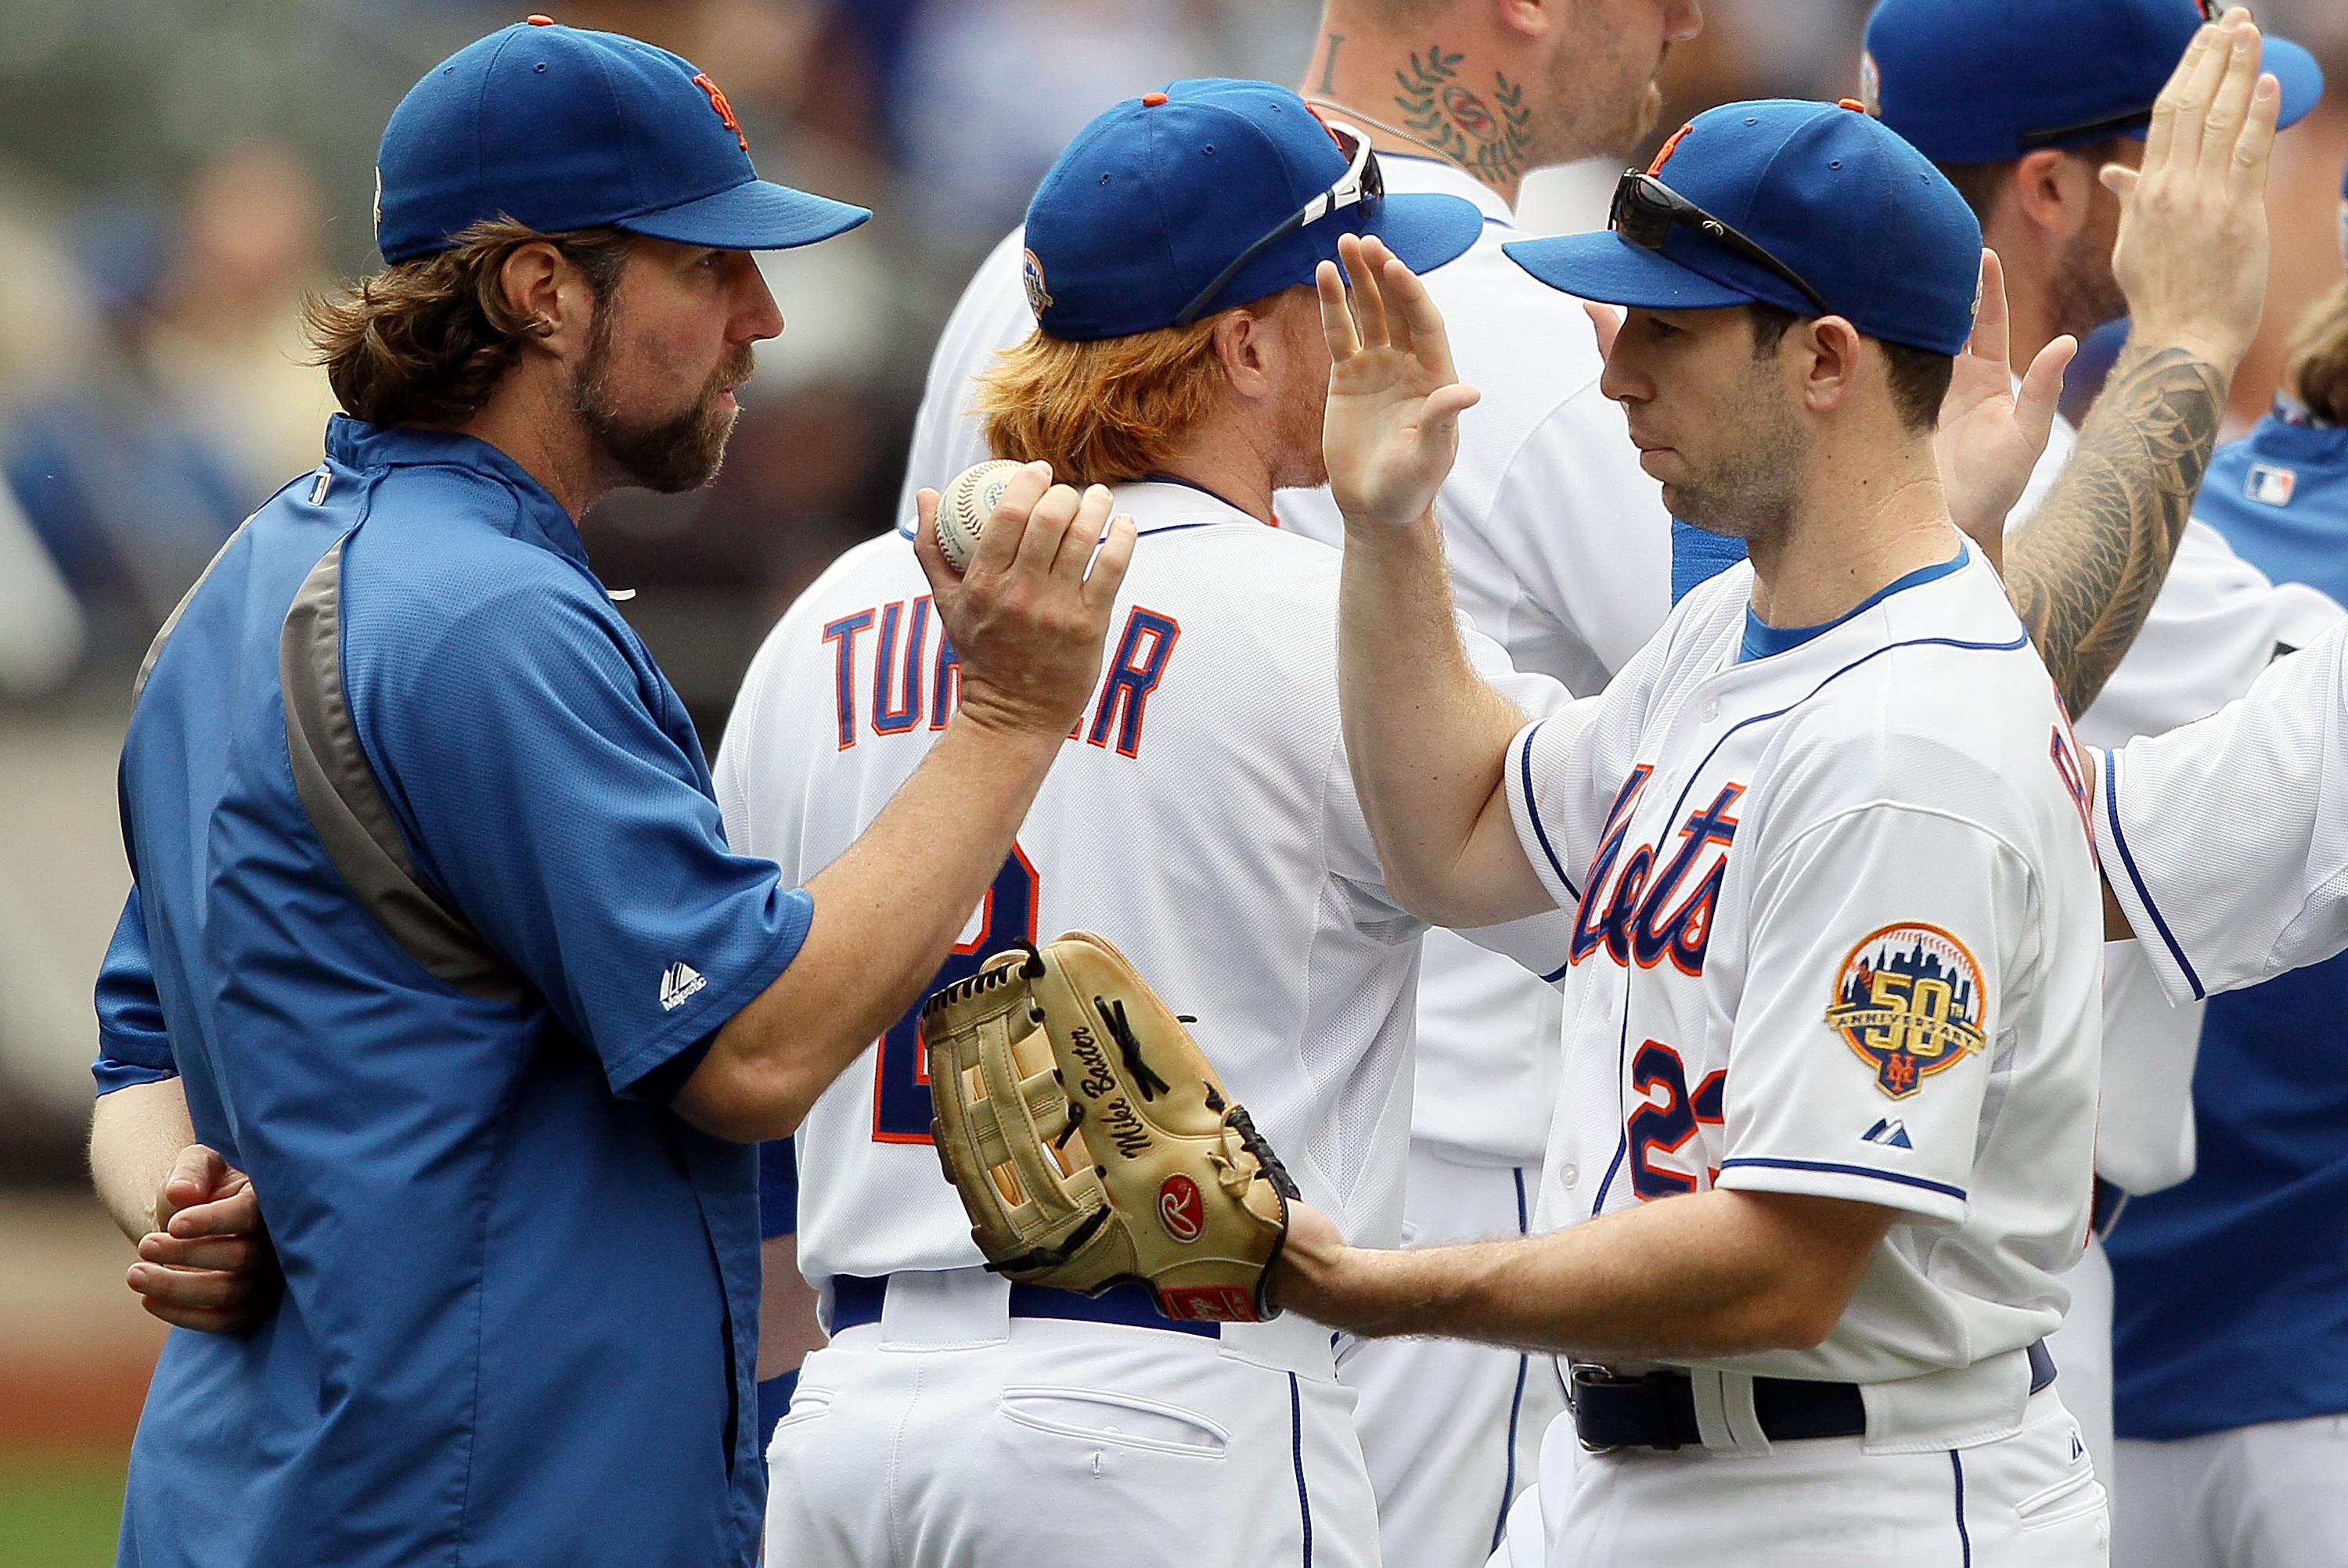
(2274, 1495)
(2029, 1500)
(1066, 1442)
(1452, 1432)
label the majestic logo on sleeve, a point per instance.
(678, 981)
(1908, 1000)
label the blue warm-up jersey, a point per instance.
(2232, 1288)
(433, 909)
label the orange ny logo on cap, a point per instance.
(1663, 153)
(724, 110)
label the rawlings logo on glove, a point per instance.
(1091, 1141)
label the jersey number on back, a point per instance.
(900, 1086)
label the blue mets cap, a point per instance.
(559, 129)
(1981, 81)
(1814, 208)
(1177, 204)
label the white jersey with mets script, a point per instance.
(1202, 817)
(1838, 933)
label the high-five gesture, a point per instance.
(1992, 435)
(2192, 248)
(2193, 258)
(1392, 424)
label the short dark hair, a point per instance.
(1919, 378)
(425, 341)
(1980, 184)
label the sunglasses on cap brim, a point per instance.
(1646, 211)
(1360, 186)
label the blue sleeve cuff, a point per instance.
(691, 1029)
(112, 1072)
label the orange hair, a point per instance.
(1107, 411)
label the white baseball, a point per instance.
(966, 505)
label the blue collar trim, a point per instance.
(1762, 639)
(539, 517)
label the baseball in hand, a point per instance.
(966, 505)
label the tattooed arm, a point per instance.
(2193, 258)
(2084, 572)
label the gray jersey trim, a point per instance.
(346, 806)
(171, 622)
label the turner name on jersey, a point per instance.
(1202, 817)
(903, 658)
(1836, 933)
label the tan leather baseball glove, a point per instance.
(1091, 1141)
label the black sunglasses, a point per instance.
(2112, 125)
(1360, 186)
(1645, 208)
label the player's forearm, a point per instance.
(135, 1134)
(2084, 572)
(1709, 1274)
(1426, 737)
(886, 912)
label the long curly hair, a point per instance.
(425, 341)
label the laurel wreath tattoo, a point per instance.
(2083, 573)
(1488, 140)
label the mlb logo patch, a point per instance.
(2271, 485)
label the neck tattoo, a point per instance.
(1490, 141)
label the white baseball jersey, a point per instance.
(2216, 623)
(1204, 819)
(2226, 841)
(1837, 933)
(1560, 551)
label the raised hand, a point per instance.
(1989, 436)
(1393, 423)
(1028, 616)
(2192, 248)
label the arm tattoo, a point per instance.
(1490, 143)
(2083, 573)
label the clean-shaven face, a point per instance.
(666, 351)
(1713, 422)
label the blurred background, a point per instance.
(175, 173)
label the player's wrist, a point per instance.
(1015, 719)
(2219, 348)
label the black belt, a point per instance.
(857, 1299)
(1658, 1410)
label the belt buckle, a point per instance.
(1579, 1374)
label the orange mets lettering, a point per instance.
(724, 110)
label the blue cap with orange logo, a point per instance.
(1177, 204)
(1814, 208)
(1981, 81)
(559, 129)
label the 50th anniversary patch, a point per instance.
(1908, 1001)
